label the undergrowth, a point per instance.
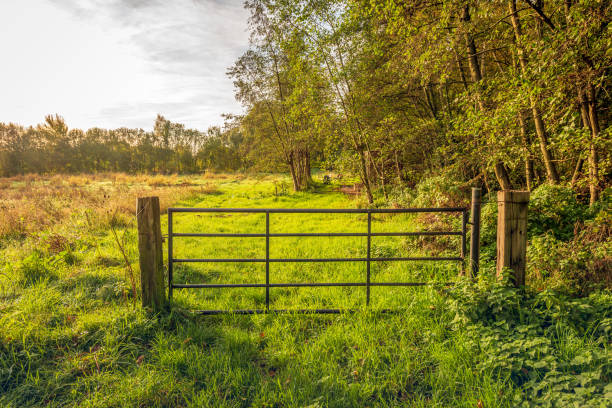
(554, 349)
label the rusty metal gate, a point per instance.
(368, 259)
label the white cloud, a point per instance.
(119, 63)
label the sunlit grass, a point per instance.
(296, 248)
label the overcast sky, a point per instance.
(115, 63)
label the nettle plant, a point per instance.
(554, 349)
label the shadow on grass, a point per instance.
(189, 274)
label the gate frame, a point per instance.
(151, 252)
(474, 252)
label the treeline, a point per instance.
(170, 148)
(505, 93)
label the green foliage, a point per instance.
(387, 91)
(439, 191)
(555, 210)
(554, 349)
(579, 265)
(488, 229)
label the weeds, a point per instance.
(129, 272)
(520, 333)
(36, 268)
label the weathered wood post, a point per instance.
(150, 252)
(475, 233)
(512, 233)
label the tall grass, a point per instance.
(29, 203)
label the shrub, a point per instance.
(435, 191)
(578, 266)
(523, 336)
(555, 210)
(439, 191)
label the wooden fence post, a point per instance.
(512, 233)
(475, 233)
(150, 253)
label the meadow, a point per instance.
(72, 332)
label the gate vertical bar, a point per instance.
(464, 222)
(368, 258)
(170, 282)
(267, 260)
(475, 236)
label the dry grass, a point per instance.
(33, 203)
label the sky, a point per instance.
(118, 63)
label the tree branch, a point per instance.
(543, 16)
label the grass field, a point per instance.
(72, 333)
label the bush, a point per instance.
(549, 346)
(439, 191)
(569, 245)
(436, 191)
(580, 265)
(555, 210)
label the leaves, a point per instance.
(520, 336)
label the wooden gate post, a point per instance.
(475, 233)
(150, 253)
(512, 233)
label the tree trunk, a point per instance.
(547, 156)
(299, 165)
(586, 124)
(397, 168)
(590, 121)
(291, 162)
(307, 169)
(364, 176)
(382, 178)
(500, 169)
(472, 54)
(526, 152)
(462, 74)
(593, 159)
(502, 176)
(577, 171)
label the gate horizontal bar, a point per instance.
(450, 258)
(316, 210)
(297, 285)
(318, 234)
(289, 311)
(213, 235)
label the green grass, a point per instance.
(71, 336)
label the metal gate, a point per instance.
(368, 259)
